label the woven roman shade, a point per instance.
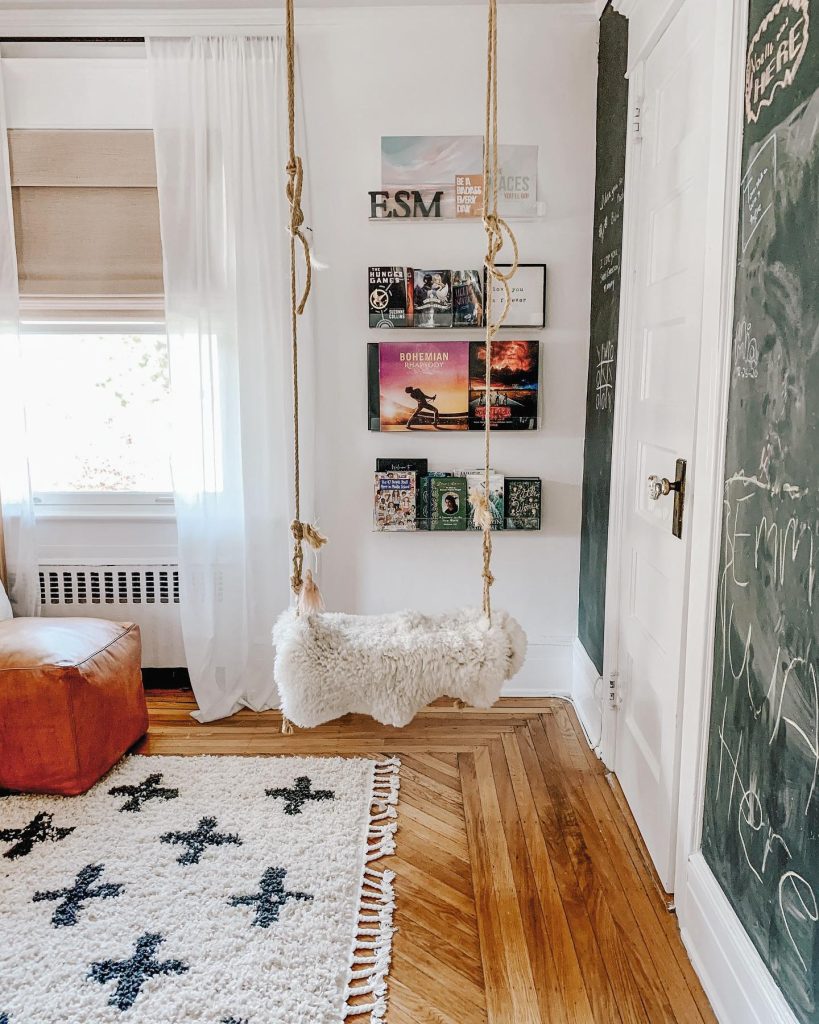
(86, 216)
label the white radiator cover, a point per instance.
(145, 594)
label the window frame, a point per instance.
(144, 505)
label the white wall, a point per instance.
(417, 71)
(390, 74)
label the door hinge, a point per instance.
(614, 691)
(637, 121)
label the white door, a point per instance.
(668, 193)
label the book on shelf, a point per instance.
(389, 298)
(425, 498)
(418, 467)
(513, 392)
(421, 385)
(523, 502)
(373, 387)
(432, 297)
(395, 501)
(475, 488)
(467, 298)
(448, 503)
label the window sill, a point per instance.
(142, 507)
(124, 513)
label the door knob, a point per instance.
(660, 485)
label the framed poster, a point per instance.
(528, 287)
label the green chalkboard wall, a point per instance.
(761, 822)
(612, 120)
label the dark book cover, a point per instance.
(424, 506)
(419, 466)
(424, 385)
(449, 505)
(432, 297)
(514, 385)
(394, 502)
(522, 499)
(467, 298)
(373, 388)
(387, 294)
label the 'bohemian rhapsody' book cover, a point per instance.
(513, 385)
(424, 385)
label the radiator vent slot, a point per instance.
(109, 585)
(147, 594)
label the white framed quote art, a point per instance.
(528, 294)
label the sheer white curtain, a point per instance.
(219, 116)
(16, 502)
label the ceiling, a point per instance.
(181, 5)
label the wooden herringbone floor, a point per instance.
(524, 895)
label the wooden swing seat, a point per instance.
(331, 664)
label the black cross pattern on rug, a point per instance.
(150, 789)
(4, 1018)
(270, 898)
(130, 975)
(75, 897)
(198, 841)
(300, 794)
(224, 1020)
(38, 830)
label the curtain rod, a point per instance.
(72, 39)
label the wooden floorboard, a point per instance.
(524, 893)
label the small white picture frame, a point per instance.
(528, 307)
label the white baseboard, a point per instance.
(547, 671)
(587, 693)
(735, 979)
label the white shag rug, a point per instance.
(220, 890)
(391, 666)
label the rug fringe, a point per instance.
(373, 948)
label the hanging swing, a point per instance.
(330, 664)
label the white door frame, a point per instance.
(737, 981)
(648, 20)
(712, 416)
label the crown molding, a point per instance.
(65, 21)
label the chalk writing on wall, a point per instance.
(761, 818)
(775, 53)
(612, 124)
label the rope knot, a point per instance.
(295, 184)
(307, 532)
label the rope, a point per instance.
(301, 531)
(495, 228)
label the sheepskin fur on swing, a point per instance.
(390, 666)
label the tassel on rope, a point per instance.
(304, 532)
(310, 600)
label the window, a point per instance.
(98, 413)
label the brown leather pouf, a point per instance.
(71, 701)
